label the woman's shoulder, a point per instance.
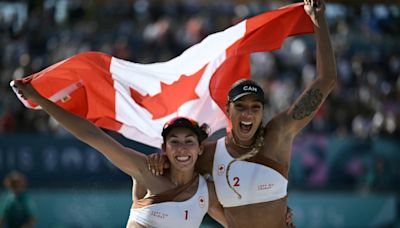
(209, 146)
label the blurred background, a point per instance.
(345, 168)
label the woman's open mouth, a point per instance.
(182, 158)
(245, 127)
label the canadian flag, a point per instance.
(137, 99)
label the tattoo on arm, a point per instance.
(307, 104)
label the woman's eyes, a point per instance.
(187, 142)
(239, 107)
(253, 108)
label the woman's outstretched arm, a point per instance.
(131, 162)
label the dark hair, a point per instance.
(184, 122)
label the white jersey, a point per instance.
(172, 214)
(255, 182)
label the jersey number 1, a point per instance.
(186, 214)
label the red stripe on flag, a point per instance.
(94, 96)
(265, 32)
(230, 71)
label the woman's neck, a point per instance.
(178, 177)
(243, 145)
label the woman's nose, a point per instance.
(247, 112)
(181, 146)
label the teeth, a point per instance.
(182, 158)
(245, 123)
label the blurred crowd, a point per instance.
(365, 37)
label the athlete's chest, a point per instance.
(244, 182)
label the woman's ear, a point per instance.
(227, 108)
(201, 149)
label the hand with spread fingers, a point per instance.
(157, 162)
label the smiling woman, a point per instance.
(182, 147)
(187, 203)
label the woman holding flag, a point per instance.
(250, 165)
(180, 198)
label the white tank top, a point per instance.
(171, 214)
(255, 182)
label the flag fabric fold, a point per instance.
(137, 99)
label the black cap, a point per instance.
(243, 88)
(184, 122)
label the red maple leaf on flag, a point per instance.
(171, 96)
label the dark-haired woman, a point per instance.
(180, 198)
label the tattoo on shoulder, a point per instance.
(307, 104)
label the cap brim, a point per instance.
(242, 95)
(245, 94)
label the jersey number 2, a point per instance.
(236, 184)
